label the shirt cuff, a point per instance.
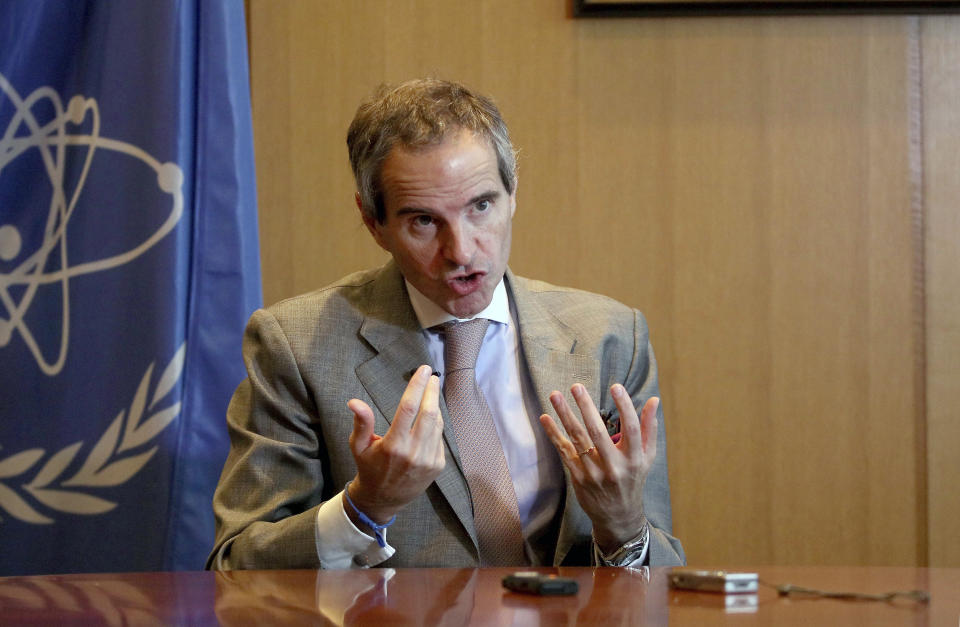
(340, 544)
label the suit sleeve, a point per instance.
(642, 383)
(266, 502)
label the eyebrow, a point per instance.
(490, 195)
(408, 210)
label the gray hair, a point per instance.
(415, 114)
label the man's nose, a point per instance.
(458, 245)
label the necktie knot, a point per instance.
(462, 342)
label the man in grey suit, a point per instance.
(351, 446)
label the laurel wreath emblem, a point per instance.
(111, 462)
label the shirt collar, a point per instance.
(430, 314)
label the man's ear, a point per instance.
(513, 200)
(371, 223)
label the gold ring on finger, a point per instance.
(585, 451)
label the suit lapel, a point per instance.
(392, 329)
(548, 347)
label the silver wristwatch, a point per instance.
(628, 553)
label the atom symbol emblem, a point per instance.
(50, 263)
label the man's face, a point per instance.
(447, 221)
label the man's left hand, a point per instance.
(607, 477)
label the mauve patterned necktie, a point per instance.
(495, 512)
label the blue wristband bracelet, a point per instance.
(377, 529)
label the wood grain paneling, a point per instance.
(941, 155)
(745, 182)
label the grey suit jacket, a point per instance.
(359, 338)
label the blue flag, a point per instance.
(129, 265)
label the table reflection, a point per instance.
(429, 596)
(108, 599)
(607, 596)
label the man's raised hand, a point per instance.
(608, 477)
(394, 469)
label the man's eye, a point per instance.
(423, 220)
(483, 205)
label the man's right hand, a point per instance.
(394, 469)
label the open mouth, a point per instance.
(466, 284)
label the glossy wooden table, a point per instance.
(607, 596)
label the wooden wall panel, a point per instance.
(745, 182)
(941, 154)
(842, 327)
